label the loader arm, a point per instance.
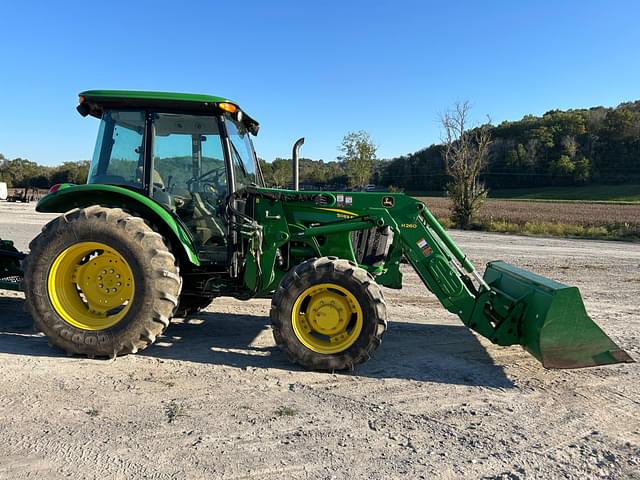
(509, 306)
(447, 272)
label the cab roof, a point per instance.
(94, 102)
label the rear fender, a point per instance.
(68, 196)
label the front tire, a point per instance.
(328, 314)
(101, 282)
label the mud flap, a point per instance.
(552, 323)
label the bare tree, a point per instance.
(465, 152)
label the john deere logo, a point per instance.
(388, 202)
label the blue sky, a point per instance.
(313, 69)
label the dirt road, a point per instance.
(215, 399)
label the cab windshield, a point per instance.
(242, 154)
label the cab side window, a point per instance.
(119, 153)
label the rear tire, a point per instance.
(328, 314)
(65, 282)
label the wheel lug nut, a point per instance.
(118, 284)
(111, 271)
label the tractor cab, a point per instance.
(189, 153)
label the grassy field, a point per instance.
(566, 219)
(608, 193)
(598, 193)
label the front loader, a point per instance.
(175, 213)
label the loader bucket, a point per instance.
(553, 326)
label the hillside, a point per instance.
(560, 148)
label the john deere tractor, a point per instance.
(175, 213)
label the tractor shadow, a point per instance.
(423, 352)
(16, 331)
(448, 354)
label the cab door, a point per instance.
(189, 178)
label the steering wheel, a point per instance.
(210, 184)
(210, 190)
(218, 173)
(214, 182)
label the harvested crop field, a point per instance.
(215, 399)
(591, 214)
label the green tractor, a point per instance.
(175, 213)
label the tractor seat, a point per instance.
(204, 219)
(164, 198)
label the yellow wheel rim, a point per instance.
(91, 286)
(327, 318)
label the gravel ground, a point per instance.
(214, 398)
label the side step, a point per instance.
(11, 283)
(10, 266)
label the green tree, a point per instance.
(358, 154)
(280, 172)
(582, 170)
(71, 172)
(512, 158)
(20, 171)
(563, 166)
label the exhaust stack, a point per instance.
(296, 163)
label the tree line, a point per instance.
(573, 147)
(22, 173)
(356, 167)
